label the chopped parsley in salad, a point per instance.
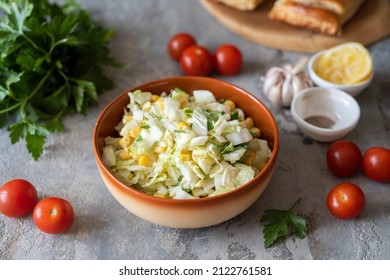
(181, 146)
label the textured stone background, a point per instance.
(105, 230)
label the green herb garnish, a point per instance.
(214, 115)
(51, 64)
(234, 116)
(210, 125)
(146, 126)
(188, 111)
(281, 224)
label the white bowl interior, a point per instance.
(336, 106)
(327, 104)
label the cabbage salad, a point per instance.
(184, 146)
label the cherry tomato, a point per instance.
(196, 61)
(178, 43)
(228, 60)
(17, 198)
(53, 215)
(376, 164)
(346, 201)
(344, 158)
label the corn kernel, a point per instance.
(144, 160)
(136, 131)
(248, 123)
(181, 125)
(256, 132)
(125, 141)
(183, 99)
(124, 155)
(249, 157)
(155, 98)
(231, 104)
(160, 149)
(185, 156)
(127, 118)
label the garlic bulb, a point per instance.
(282, 83)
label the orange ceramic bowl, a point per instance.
(188, 213)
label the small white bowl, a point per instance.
(353, 90)
(325, 114)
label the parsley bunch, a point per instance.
(51, 64)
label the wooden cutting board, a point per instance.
(370, 24)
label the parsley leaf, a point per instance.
(35, 144)
(281, 224)
(146, 126)
(234, 115)
(51, 64)
(210, 125)
(188, 111)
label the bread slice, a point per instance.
(335, 6)
(324, 16)
(243, 5)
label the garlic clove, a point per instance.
(287, 92)
(298, 84)
(287, 97)
(274, 94)
(272, 77)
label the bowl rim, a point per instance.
(137, 193)
(329, 91)
(315, 77)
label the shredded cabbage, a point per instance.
(181, 146)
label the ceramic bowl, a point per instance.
(353, 90)
(188, 213)
(325, 114)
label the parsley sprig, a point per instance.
(51, 64)
(281, 224)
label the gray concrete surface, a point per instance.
(105, 230)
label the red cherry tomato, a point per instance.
(376, 164)
(178, 43)
(344, 158)
(196, 61)
(228, 60)
(53, 215)
(346, 201)
(17, 198)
